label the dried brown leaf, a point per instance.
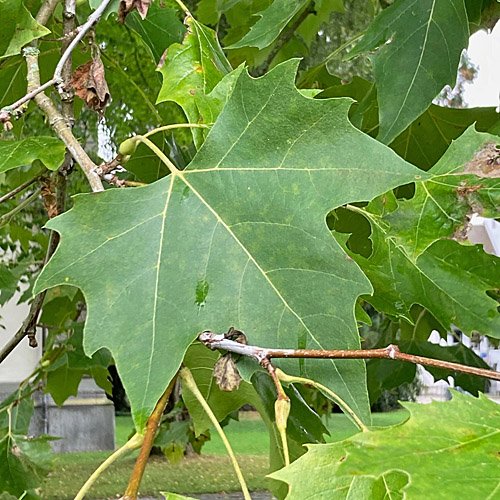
(226, 374)
(90, 84)
(126, 6)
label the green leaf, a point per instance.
(191, 72)
(413, 144)
(200, 360)
(231, 220)
(418, 459)
(463, 182)
(25, 462)
(448, 279)
(159, 30)
(26, 30)
(10, 11)
(426, 40)
(49, 150)
(65, 374)
(271, 23)
(174, 496)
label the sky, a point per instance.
(484, 51)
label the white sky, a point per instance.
(484, 51)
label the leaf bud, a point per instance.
(128, 146)
(281, 412)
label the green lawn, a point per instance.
(209, 473)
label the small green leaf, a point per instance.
(272, 21)
(201, 361)
(174, 496)
(49, 150)
(27, 29)
(25, 462)
(191, 71)
(426, 39)
(418, 459)
(159, 30)
(10, 10)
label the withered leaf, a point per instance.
(486, 162)
(226, 374)
(90, 84)
(126, 6)
(49, 196)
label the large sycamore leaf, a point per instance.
(190, 72)
(425, 39)
(448, 279)
(415, 460)
(466, 180)
(238, 238)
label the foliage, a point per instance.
(289, 206)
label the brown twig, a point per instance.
(29, 324)
(22, 187)
(216, 341)
(149, 436)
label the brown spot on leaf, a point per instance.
(126, 6)
(485, 163)
(192, 92)
(226, 374)
(90, 84)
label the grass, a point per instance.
(209, 473)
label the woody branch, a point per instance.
(219, 341)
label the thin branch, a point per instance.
(183, 7)
(216, 341)
(82, 31)
(42, 17)
(58, 123)
(132, 444)
(22, 187)
(149, 436)
(188, 379)
(5, 219)
(29, 324)
(283, 39)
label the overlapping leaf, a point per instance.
(464, 181)
(419, 43)
(191, 71)
(24, 460)
(20, 27)
(413, 144)
(416, 460)
(201, 362)
(159, 30)
(49, 150)
(448, 279)
(272, 21)
(244, 223)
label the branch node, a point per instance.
(30, 51)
